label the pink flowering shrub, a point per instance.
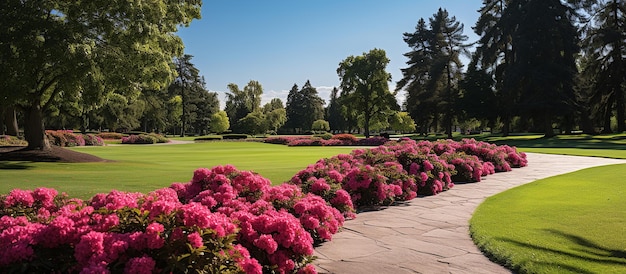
(305, 142)
(43, 231)
(469, 168)
(348, 138)
(278, 225)
(93, 140)
(283, 140)
(65, 138)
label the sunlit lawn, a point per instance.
(572, 223)
(147, 167)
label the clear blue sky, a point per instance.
(284, 42)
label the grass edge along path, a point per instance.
(571, 223)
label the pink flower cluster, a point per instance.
(67, 138)
(43, 231)
(278, 224)
(336, 140)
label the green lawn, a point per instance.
(147, 167)
(573, 223)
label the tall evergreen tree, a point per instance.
(605, 68)
(294, 113)
(447, 46)
(334, 115)
(494, 53)
(303, 107)
(421, 102)
(434, 68)
(545, 42)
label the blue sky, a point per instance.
(284, 42)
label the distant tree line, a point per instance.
(545, 66)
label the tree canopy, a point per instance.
(83, 50)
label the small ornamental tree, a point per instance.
(219, 122)
(320, 125)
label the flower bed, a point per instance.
(150, 138)
(67, 138)
(335, 140)
(225, 220)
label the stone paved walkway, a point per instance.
(431, 234)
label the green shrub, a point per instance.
(111, 135)
(325, 135)
(209, 138)
(159, 138)
(234, 136)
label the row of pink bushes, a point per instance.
(335, 140)
(150, 138)
(228, 221)
(401, 170)
(67, 138)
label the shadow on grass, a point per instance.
(14, 166)
(579, 249)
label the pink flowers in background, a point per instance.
(225, 219)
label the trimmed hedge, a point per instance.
(234, 136)
(209, 138)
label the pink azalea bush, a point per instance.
(67, 138)
(279, 224)
(43, 231)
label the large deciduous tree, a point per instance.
(240, 103)
(365, 86)
(74, 49)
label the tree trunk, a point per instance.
(621, 126)
(10, 121)
(366, 127)
(586, 123)
(506, 125)
(34, 132)
(547, 125)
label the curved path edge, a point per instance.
(431, 234)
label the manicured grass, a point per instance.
(145, 168)
(573, 223)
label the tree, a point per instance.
(320, 125)
(59, 48)
(402, 121)
(334, 115)
(219, 122)
(448, 45)
(604, 66)
(275, 114)
(254, 123)
(543, 67)
(493, 56)
(421, 102)
(303, 107)
(364, 85)
(434, 70)
(240, 103)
